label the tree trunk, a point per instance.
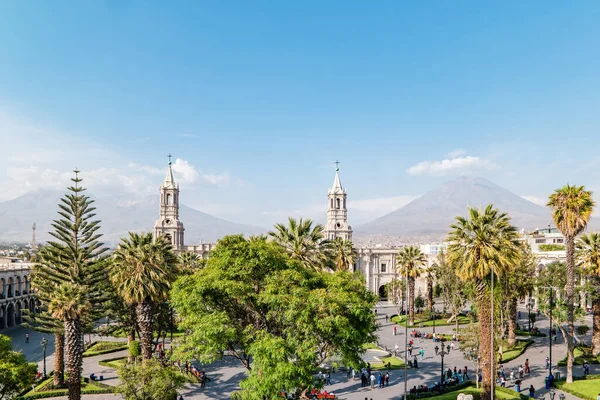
(74, 351)
(411, 299)
(488, 360)
(570, 289)
(429, 294)
(59, 360)
(144, 316)
(512, 321)
(130, 339)
(596, 320)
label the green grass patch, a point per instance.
(515, 351)
(104, 347)
(519, 332)
(395, 363)
(469, 388)
(371, 346)
(440, 321)
(45, 389)
(582, 354)
(586, 388)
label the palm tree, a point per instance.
(70, 303)
(344, 254)
(142, 272)
(587, 253)
(571, 208)
(411, 261)
(430, 276)
(303, 242)
(189, 261)
(480, 247)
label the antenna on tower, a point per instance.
(33, 241)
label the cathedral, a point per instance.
(377, 264)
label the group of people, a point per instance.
(368, 377)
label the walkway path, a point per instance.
(227, 374)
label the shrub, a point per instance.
(135, 349)
(582, 329)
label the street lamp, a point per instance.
(442, 353)
(436, 348)
(44, 343)
(529, 306)
(550, 333)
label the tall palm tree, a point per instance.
(70, 303)
(571, 208)
(587, 253)
(344, 254)
(303, 242)
(430, 276)
(189, 261)
(482, 246)
(410, 261)
(142, 272)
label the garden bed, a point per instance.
(104, 347)
(586, 388)
(116, 363)
(440, 321)
(582, 354)
(45, 389)
(513, 352)
(468, 388)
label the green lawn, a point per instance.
(371, 346)
(582, 354)
(399, 319)
(516, 351)
(104, 347)
(45, 389)
(474, 391)
(519, 332)
(395, 363)
(586, 389)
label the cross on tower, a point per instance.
(337, 165)
(169, 157)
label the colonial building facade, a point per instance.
(15, 293)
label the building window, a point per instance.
(168, 199)
(383, 268)
(540, 240)
(559, 241)
(337, 203)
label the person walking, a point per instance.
(422, 353)
(394, 330)
(586, 368)
(380, 381)
(27, 337)
(531, 391)
(386, 318)
(465, 375)
(372, 381)
(527, 369)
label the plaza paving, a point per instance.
(226, 374)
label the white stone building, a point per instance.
(15, 293)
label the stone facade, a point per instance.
(337, 212)
(15, 293)
(168, 223)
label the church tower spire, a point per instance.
(168, 223)
(337, 213)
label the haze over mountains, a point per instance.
(425, 219)
(118, 216)
(432, 213)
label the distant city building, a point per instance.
(15, 293)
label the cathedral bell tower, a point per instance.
(168, 223)
(337, 213)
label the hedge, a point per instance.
(90, 353)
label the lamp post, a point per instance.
(406, 342)
(442, 352)
(44, 343)
(550, 333)
(529, 306)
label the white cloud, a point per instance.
(541, 201)
(451, 166)
(380, 205)
(456, 153)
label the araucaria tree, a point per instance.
(411, 262)
(278, 318)
(572, 208)
(483, 247)
(73, 263)
(142, 271)
(303, 242)
(587, 253)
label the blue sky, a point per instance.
(257, 99)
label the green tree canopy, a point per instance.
(252, 302)
(149, 381)
(16, 374)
